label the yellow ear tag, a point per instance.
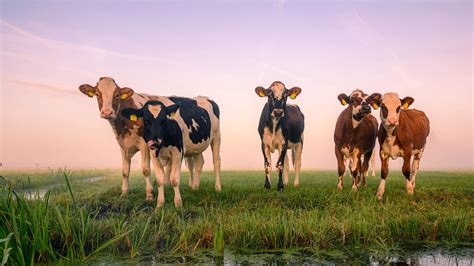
(261, 93)
(375, 106)
(133, 118)
(343, 102)
(91, 93)
(293, 96)
(405, 105)
(123, 96)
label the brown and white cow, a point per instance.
(112, 99)
(354, 136)
(402, 133)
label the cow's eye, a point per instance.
(398, 109)
(117, 95)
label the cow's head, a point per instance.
(358, 101)
(109, 96)
(155, 115)
(391, 106)
(277, 95)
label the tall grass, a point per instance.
(37, 231)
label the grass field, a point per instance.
(88, 220)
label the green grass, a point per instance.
(91, 219)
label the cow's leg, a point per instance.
(199, 163)
(355, 166)
(160, 180)
(267, 164)
(372, 162)
(280, 163)
(414, 167)
(407, 171)
(125, 172)
(167, 169)
(298, 150)
(175, 176)
(365, 167)
(286, 169)
(190, 164)
(383, 175)
(341, 168)
(145, 153)
(216, 158)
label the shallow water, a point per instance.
(403, 256)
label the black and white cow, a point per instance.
(175, 128)
(281, 127)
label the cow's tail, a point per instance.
(215, 108)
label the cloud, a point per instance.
(280, 71)
(101, 52)
(58, 90)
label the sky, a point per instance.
(224, 49)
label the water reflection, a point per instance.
(402, 256)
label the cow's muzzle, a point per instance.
(154, 144)
(278, 113)
(107, 114)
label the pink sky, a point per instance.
(224, 51)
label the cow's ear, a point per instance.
(343, 98)
(261, 91)
(131, 114)
(125, 93)
(87, 90)
(407, 101)
(172, 109)
(293, 92)
(375, 100)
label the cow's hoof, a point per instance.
(267, 184)
(286, 183)
(218, 188)
(160, 203)
(409, 188)
(280, 187)
(339, 186)
(124, 195)
(149, 197)
(354, 188)
(194, 187)
(178, 203)
(379, 196)
(296, 184)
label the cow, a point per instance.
(175, 128)
(112, 99)
(402, 133)
(280, 128)
(354, 136)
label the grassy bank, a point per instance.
(91, 219)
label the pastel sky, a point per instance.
(224, 49)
